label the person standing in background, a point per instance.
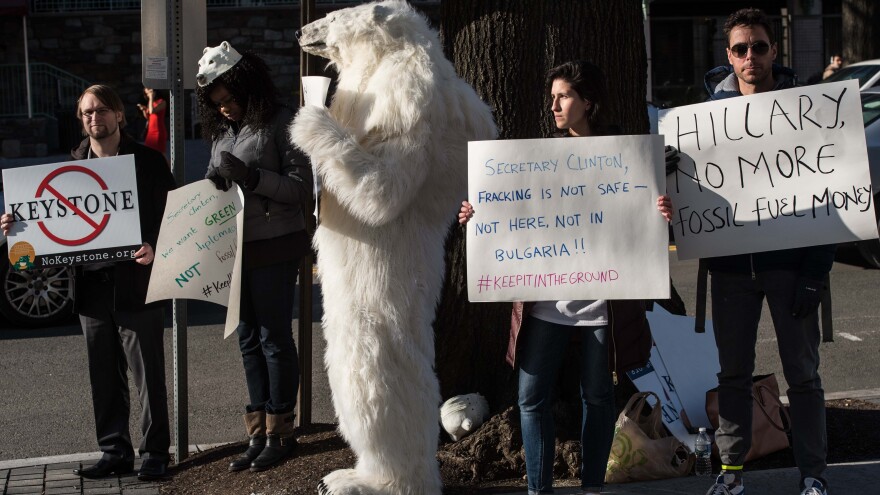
(835, 65)
(154, 112)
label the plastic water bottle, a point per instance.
(703, 451)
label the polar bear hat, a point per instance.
(463, 414)
(215, 61)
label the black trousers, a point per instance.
(116, 342)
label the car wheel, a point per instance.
(39, 297)
(870, 250)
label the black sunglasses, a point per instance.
(758, 48)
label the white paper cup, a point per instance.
(314, 90)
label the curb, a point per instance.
(871, 393)
(86, 456)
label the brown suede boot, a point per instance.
(280, 441)
(255, 424)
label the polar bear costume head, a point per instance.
(371, 29)
(463, 414)
(215, 61)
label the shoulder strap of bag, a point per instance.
(636, 403)
(827, 329)
(758, 394)
(702, 288)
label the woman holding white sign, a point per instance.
(614, 335)
(241, 116)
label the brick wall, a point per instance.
(106, 47)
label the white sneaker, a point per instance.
(725, 485)
(812, 486)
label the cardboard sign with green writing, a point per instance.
(196, 255)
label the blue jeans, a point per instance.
(541, 354)
(265, 337)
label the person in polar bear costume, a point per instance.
(391, 153)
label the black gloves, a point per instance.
(807, 295)
(233, 169)
(219, 182)
(672, 159)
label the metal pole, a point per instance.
(646, 7)
(786, 37)
(27, 69)
(178, 306)
(304, 331)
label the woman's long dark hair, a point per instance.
(251, 86)
(588, 81)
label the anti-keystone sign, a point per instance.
(72, 213)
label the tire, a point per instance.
(870, 250)
(42, 297)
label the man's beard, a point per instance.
(101, 132)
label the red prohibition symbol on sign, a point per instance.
(45, 186)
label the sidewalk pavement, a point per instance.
(54, 476)
(58, 479)
(843, 479)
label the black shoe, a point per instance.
(153, 470)
(277, 449)
(104, 468)
(244, 460)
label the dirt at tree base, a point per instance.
(490, 460)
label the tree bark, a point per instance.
(503, 48)
(861, 30)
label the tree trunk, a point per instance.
(503, 48)
(861, 30)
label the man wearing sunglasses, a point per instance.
(792, 281)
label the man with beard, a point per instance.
(121, 331)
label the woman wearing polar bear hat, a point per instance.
(614, 335)
(247, 127)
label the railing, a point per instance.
(61, 6)
(52, 90)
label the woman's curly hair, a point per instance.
(251, 86)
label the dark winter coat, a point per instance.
(154, 180)
(273, 207)
(813, 262)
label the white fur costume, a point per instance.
(392, 156)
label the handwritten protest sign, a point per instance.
(652, 379)
(566, 219)
(775, 170)
(683, 367)
(197, 251)
(73, 213)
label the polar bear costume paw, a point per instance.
(349, 482)
(316, 132)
